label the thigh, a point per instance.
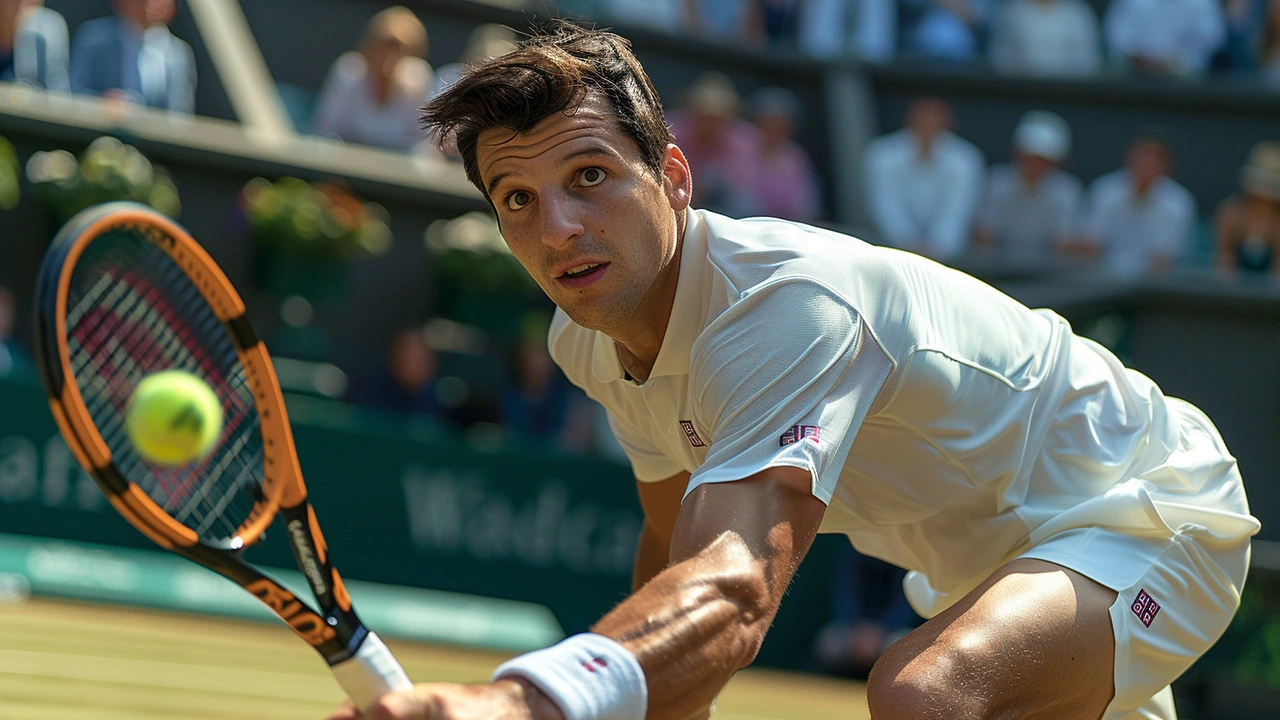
(1034, 640)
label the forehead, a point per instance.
(593, 123)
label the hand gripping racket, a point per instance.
(125, 292)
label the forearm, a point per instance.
(697, 623)
(652, 557)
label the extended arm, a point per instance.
(735, 548)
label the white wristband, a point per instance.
(588, 676)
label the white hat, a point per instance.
(1043, 134)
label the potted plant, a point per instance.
(108, 170)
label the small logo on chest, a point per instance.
(1145, 608)
(800, 432)
(692, 434)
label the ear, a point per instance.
(677, 181)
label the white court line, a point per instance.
(179, 676)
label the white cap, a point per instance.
(1043, 134)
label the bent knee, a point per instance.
(932, 682)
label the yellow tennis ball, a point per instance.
(174, 418)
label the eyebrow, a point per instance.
(589, 151)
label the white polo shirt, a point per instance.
(943, 422)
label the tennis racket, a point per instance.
(125, 292)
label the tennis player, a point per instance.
(1076, 537)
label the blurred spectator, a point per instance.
(1032, 205)
(486, 41)
(33, 45)
(408, 384)
(1245, 21)
(131, 55)
(870, 613)
(12, 360)
(1139, 219)
(1269, 51)
(950, 30)
(372, 94)
(1164, 37)
(665, 15)
(924, 183)
(723, 150)
(779, 20)
(786, 185)
(1047, 38)
(535, 408)
(1248, 226)
(726, 21)
(866, 29)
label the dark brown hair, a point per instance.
(550, 72)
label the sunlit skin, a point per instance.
(574, 191)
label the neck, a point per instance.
(639, 344)
(1140, 189)
(8, 29)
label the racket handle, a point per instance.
(371, 673)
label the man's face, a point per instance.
(588, 220)
(1033, 168)
(1147, 162)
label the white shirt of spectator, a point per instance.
(867, 29)
(1058, 38)
(666, 15)
(1028, 221)
(348, 109)
(925, 203)
(1133, 232)
(1181, 33)
(946, 426)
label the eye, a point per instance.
(591, 177)
(518, 199)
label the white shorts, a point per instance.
(1177, 586)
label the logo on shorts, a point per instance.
(1145, 608)
(692, 434)
(800, 432)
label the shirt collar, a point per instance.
(686, 313)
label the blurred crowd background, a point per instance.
(999, 136)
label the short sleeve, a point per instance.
(785, 377)
(648, 462)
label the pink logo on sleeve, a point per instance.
(800, 432)
(1145, 608)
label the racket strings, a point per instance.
(132, 312)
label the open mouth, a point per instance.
(582, 275)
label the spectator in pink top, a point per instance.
(723, 150)
(786, 185)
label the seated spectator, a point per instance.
(924, 183)
(779, 21)
(786, 185)
(1051, 38)
(1139, 219)
(1164, 37)
(33, 45)
(866, 29)
(13, 361)
(722, 149)
(727, 21)
(666, 15)
(131, 55)
(535, 407)
(870, 613)
(1245, 21)
(1248, 226)
(947, 30)
(1269, 49)
(408, 384)
(486, 41)
(372, 94)
(1032, 206)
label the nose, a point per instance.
(561, 221)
